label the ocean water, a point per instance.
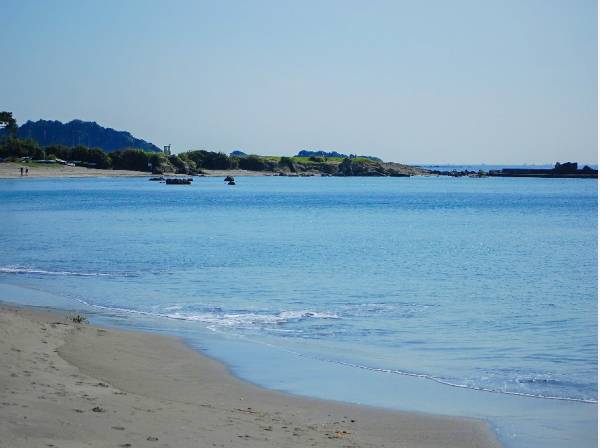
(473, 297)
(486, 167)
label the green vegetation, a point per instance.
(209, 160)
(271, 158)
(363, 160)
(191, 162)
(8, 123)
(301, 159)
(17, 148)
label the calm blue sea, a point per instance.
(459, 296)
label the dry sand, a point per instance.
(10, 170)
(67, 385)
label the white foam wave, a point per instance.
(251, 319)
(21, 270)
(452, 384)
(308, 314)
(215, 321)
(239, 320)
(425, 376)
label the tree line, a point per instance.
(190, 162)
(13, 148)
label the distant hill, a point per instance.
(238, 154)
(77, 132)
(305, 153)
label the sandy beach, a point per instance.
(71, 385)
(10, 170)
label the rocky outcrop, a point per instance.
(461, 173)
(347, 167)
(364, 167)
(305, 153)
(178, 181)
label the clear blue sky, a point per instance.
(413, 81)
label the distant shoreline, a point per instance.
(12, 170)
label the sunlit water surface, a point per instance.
(402, 287)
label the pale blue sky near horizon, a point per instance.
(432, 81)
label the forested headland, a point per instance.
(15, 148)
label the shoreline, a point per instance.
(11, 170)
(66, 384)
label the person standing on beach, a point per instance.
(21, 171)
(26, 171)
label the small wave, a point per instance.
(215, 321)
(31, 271)
(427, 377)
(251, 319)
(536, 380)
(220, 319)
(307, 315)
(450, 383)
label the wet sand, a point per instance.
(71, 385)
